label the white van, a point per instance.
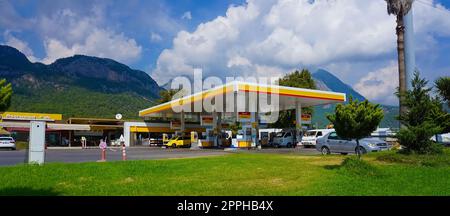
(311, 136)
(285, 138)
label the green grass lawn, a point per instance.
(233, 174)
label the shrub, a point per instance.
(416, 139)
(359, 167)
(423, 118)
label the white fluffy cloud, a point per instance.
(68, 34)
(22, 46)
(271, 37)
(380, 85)
(282, 34)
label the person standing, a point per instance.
(103, 147)
(83, 142)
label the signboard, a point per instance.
(206, 120)
(306, 119)
(244, 116)
(175, 125)
(22, 116)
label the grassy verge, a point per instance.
(233, 174)
(417, 160)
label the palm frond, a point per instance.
(399, 7)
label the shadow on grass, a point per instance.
(24, 191)
(332, 167)
(356, 167)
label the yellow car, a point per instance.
(178, 141)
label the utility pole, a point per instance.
(410, 54)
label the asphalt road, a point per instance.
(8, 158)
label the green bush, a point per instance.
(358, 167)
(417, 159)
(423, 118)
(416, 139)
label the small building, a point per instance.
(60, 132)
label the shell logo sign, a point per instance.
(207, 120)
(175, 125)
(245, 116)
(306, 119)
(22, 116)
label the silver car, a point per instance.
(7, 142)
(332, 143)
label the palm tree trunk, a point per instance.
(401, 61)
(358, 150)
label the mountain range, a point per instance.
(86, 86)
(81, 86)
(327, 81)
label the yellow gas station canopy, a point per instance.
(288, 97)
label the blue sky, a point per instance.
(354, 39)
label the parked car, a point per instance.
(332, 143)
(443, 139)
(285, 138)
(7, 142)
(178, 141)
(311, 136)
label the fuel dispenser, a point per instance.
(210, 137)
(247, 135)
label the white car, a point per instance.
(442, 138)
(7, 142)
(311, 136)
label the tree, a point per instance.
(356, 120)
(298, 79)
(400, 8)
(424, 118)
(166, 95)
(443, 88)
(5, 95)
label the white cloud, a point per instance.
(238, 61)
(100, 43)
(22, 46)
(12, 20)
(155, 37)
(286, 34)
(67, 34)
(187, 15)
(379, 86)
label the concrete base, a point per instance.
(195, 146)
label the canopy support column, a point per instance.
(182, 124)
(298, 121)
(214, 130)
